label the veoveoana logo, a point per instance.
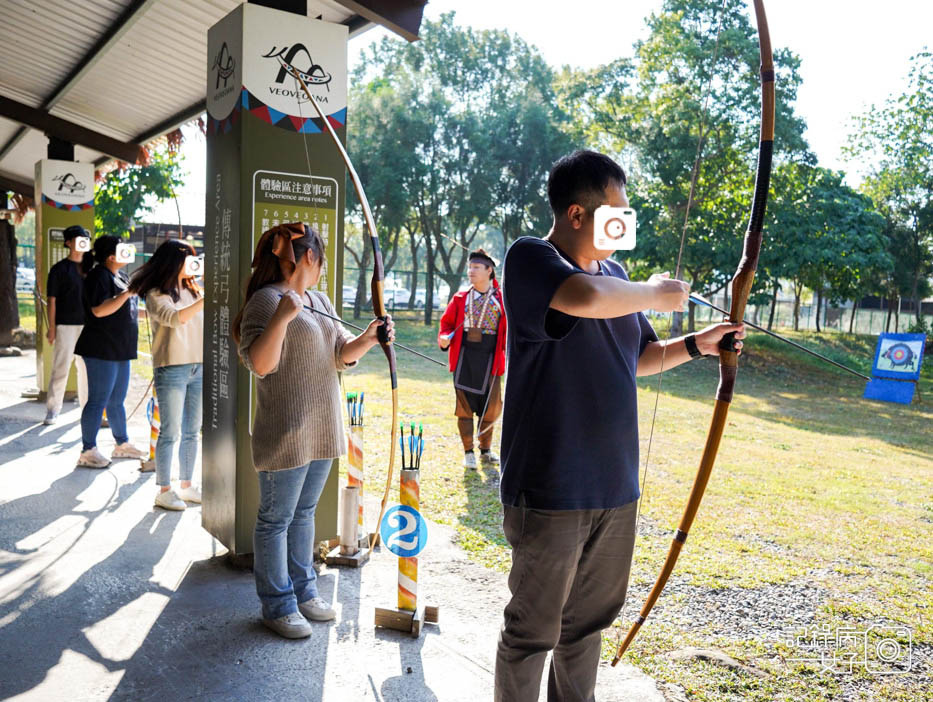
(224, 64)
(67, 182)
(314, 74)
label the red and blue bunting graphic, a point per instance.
(46, 200)
(250, 103)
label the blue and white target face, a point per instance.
(404, 531)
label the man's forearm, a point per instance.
(674, 355)
(52, 314)
(108, 307)
(602, 297)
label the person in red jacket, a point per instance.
(473, 329)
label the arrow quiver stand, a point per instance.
(410, 615)
(352, 545)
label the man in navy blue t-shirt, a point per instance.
(569, 487)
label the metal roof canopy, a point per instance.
(110, 75)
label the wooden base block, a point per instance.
(335, 558)
(406, 620)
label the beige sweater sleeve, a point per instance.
(341, 335)
(256, 316)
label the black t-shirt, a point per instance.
(114, 337)
(65, 284)
(570, 423)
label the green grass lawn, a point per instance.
(817, 495)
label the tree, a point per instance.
(652, 109)
(129, 192)
(898, 140)
(473, 130)
(828, 236)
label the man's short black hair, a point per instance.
(581, 178)
(74, 231)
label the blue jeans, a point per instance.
(107, 382)
(178, 390)
(283, 543)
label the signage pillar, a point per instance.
(268, 162)
(64, 196)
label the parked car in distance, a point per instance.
(419, 299)
(349, 295)
(25, 279)
(397, 297)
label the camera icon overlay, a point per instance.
(126, 253)
(614, 228)
(82, 243)
(888, 650)
(194, 265)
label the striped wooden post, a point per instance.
(355, 466)
(409, 495)
(154, 424)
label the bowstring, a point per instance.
(694, 176)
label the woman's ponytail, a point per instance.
(87, 262)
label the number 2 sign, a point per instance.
(404, 531)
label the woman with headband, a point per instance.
(298, 428)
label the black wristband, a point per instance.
(690, 341)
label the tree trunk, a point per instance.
(916, 297)
(413, 247)
(796, 307)
(774, 295)
(897, 315)
(852, 316)
(887, 320)
(691, 317)
(9, 308)
(819, 308)
(428, 280)
(362, 289)
(677, 324)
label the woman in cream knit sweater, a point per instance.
(298, 428)
(175, 307)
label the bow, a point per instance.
(728, 358)
(376, 285)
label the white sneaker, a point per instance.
(469, 460)
(317, 610)
(50, 417)
(127, 450)
(92, 458)
(169, 500)
(190, 494)
(291, 626)
(488, 458)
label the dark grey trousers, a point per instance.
(569, 575)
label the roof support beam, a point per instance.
(107, 40)
(67, 131)
(13, 185)
(401, 16)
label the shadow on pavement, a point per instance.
(209, 643)
(43, 625)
